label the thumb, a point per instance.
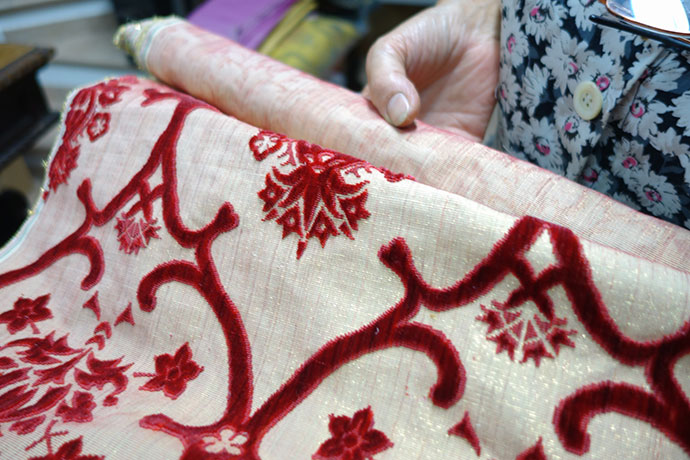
(388, 87)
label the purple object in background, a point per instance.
(246, 22)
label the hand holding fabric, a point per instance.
(440, 66)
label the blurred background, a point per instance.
(50, 47)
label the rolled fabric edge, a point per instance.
(270, 95)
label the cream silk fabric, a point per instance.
(195, 285)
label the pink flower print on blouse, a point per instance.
(353, 438)
(26, 312)
(172, 373)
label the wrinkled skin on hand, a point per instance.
(444, 60)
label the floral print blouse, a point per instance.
(637, 147)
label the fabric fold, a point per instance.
(270, 95)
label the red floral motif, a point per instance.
(86, 116)
(102, 372)
(27, 426)
(40, 393)
(535, 338)
(134, 235)
(71, 450)
(315, 192)
(80, 410)
(98, 126)
(172, 373)
(353, 438)
(26, 312)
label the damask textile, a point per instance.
(193, 286)
(638, 148)
(273, 96)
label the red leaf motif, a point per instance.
(465, 430)
(44, 403)
(71, 450)
(7, 363)
(126, 316)
(56, 374)
(103, 373)
(536, 452)
(173, 373)
(27, 426)
(15, 398)
(26, 312)
(93, 305)
(14, 376)
(79, 411)
(43, 350)
(353, 438)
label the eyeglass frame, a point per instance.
(627, 25)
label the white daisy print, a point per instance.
(657, 195)
(533, 85)
(628, 161)
(564, 58)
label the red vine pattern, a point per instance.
(313, 192)
(41, 362)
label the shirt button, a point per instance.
(587, 100)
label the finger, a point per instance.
(388, 87)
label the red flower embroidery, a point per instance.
(86, 116)
(172, 373)
(26, 312)
(353, 438)
(133, 234)
(71, 450)
(316, 192)
(98, 125)
(80, 410)
(536, 338)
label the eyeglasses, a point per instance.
(667, 21)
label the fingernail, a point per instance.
(398, 109)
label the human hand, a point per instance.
(440, 66)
